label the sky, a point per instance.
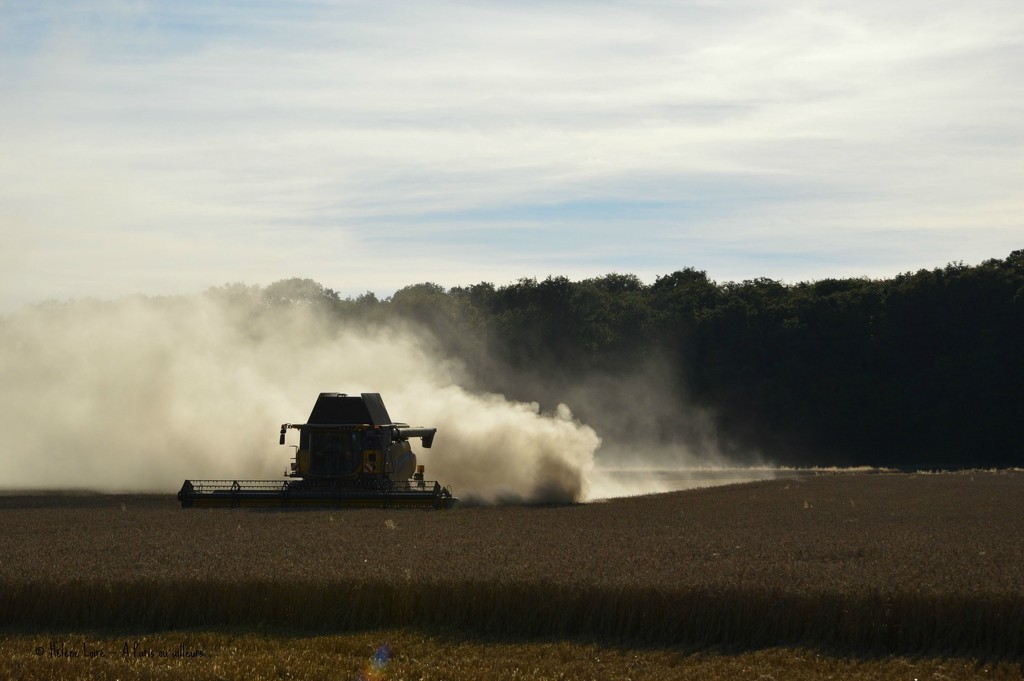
(167, 147)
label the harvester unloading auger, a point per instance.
(350, 453)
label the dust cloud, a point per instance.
(652, 439)
(138, 394)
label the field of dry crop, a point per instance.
(834, 572)
(399, 655)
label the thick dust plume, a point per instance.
(140, 394)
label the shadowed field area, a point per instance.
(864, 567)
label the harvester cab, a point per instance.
(353, 437)
(350, 453)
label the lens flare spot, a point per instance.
(375, 669)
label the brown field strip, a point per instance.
(855, 564)
(397, 655)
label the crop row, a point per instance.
(873, 623)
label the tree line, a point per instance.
(922, 369)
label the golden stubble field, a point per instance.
(842, 575)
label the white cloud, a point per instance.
(204, 143)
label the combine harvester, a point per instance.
(350, 453)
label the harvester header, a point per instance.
(350, 453)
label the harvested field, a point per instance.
(861, 565)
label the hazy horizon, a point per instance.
(385, 294)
